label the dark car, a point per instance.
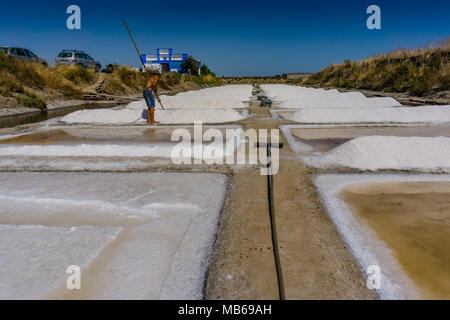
(22, 54)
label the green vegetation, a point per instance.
(30, 100)
(202, 81)
(211, 80)
(204, 71)
(418, 72)
(190, 66)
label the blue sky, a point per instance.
(233, 37)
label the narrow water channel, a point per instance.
(22, 119)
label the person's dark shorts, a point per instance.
(149, 98)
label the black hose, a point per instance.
(273, 225)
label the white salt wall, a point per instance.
(384, 152)
(140, 235)
(426, 114)
(363, 242)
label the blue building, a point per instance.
(165, 60)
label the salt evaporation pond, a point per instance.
(308, 140)
(134, 235)
(396, 222)
(128, 142)
(425, 154)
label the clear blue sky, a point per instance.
(232, 37)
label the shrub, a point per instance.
(130, 77)
(173, 78)
(77, 74)
(9, 85)
(190, 66)
(210, 80)
(30, 100)
(204, 70)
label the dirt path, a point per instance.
(316, 263)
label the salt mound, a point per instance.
(297, 97)
(136, 116)
(426, 114)
(102, 116)
(211, 105)
(381, 152)
(211, 98)
(183, 116)
(338, 102)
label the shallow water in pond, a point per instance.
(326, 139)
(413, 219)
(28, 118)
(109, 135)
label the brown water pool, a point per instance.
(413, 219)
(110, 135)
(328, 138)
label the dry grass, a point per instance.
(419, 72)
(30, 83)
(18, 76)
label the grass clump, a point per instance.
(173, 78)
(16, 75)
(130, 77)
(211, 80)
(77, 74)
(31, 100)
(9, 85)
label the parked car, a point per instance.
(22, 54)
(78, 58)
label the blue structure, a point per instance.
(165, 60)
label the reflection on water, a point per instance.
(21, 119)
(326, 139)
(102, 135)
(413, 219)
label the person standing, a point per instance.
(150, 93)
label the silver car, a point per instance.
(78, 58)
(22, 54)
